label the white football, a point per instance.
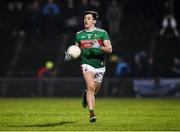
(74, 51)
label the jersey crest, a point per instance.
(92, 39)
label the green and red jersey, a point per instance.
(90, 42)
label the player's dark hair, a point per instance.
(93, 13)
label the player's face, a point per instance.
(89, 21)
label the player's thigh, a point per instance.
(89, 79)
(97, 85)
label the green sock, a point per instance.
(91, 112)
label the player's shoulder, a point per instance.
(79, 32)
(100, 30)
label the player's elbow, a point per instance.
(109, 50)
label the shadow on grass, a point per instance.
(45, 125)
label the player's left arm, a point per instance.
(107, 48)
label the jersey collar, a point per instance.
(90, 30)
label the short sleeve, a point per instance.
(77, 38)
(105, 36)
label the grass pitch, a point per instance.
(67, 114)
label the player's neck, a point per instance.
(90, 29)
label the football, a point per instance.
(74, 51)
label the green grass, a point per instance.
(67, 114)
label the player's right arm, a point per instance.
(76, 43)
(67, 56)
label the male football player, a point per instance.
(94, 43)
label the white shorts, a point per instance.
(99, 72)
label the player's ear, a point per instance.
(94, 21)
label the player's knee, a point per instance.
(91, 87)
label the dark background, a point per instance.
(25, 47)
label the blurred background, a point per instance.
(35, 33)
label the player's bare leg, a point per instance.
(89, 79)
(84, 100)
(84, 92)
(97, 86)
